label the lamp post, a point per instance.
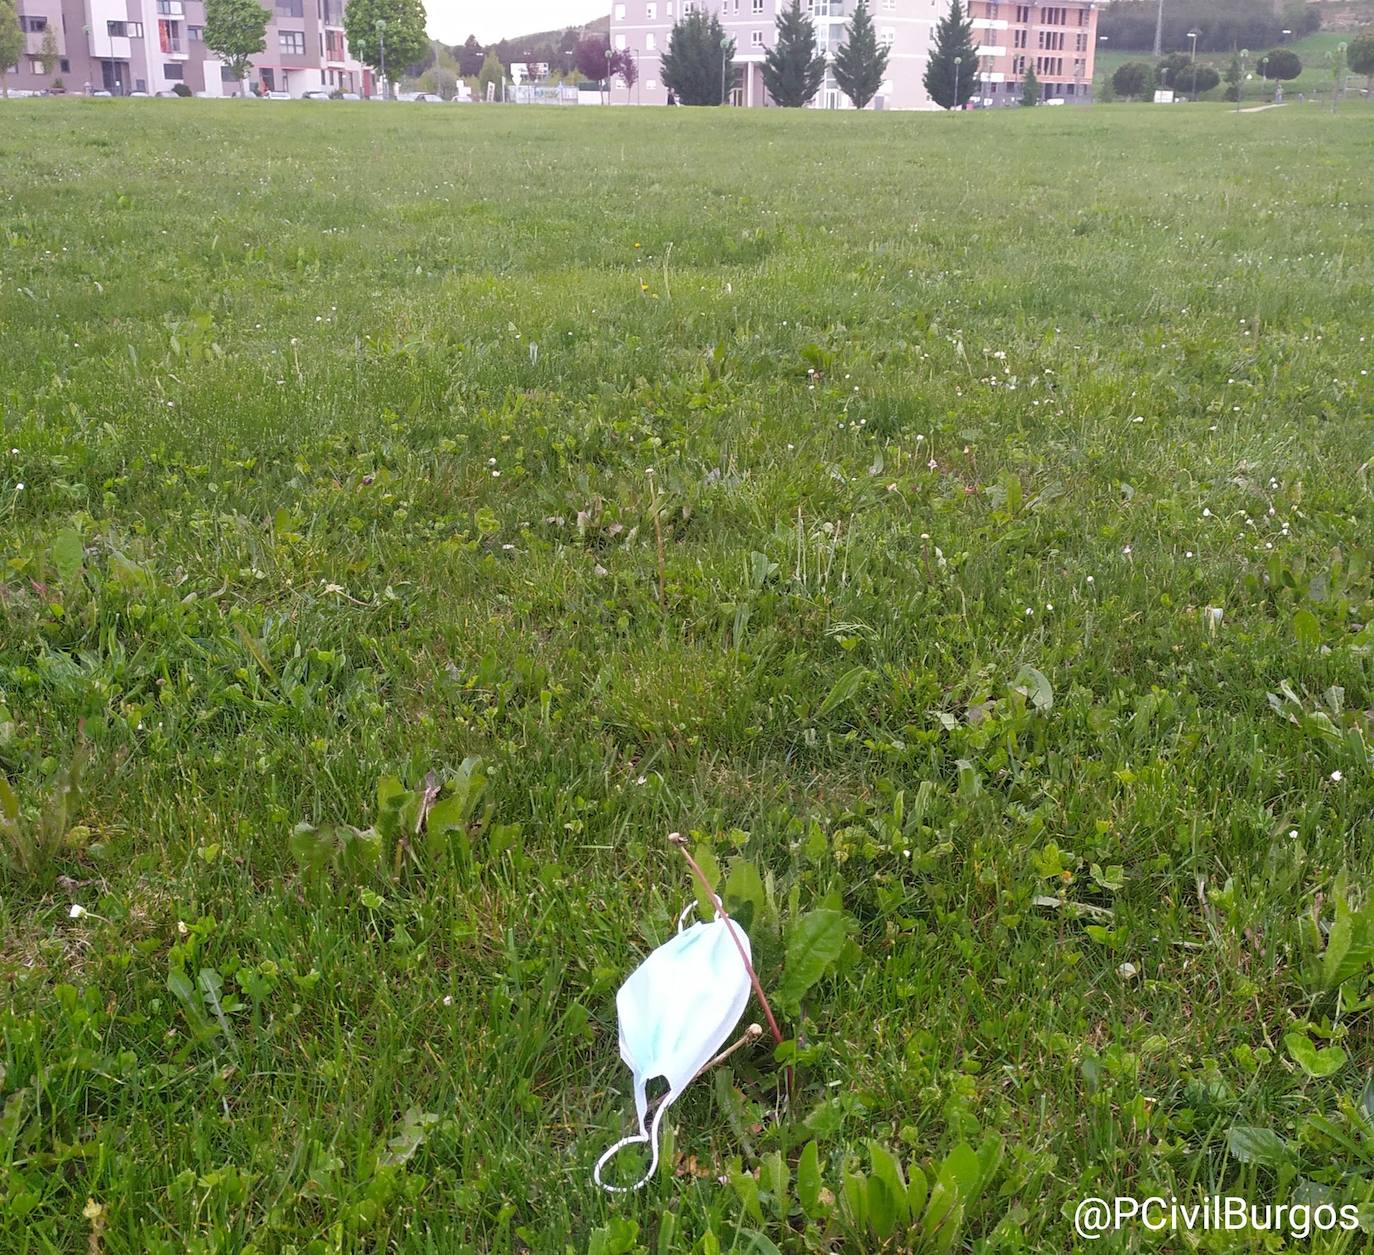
(1285, 32)
(1159, 29)
(957, 60)
(1240, 82)
(381, 35)
(609, 55)
(1193, 36)
(724, 44)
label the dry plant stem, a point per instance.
(681, 842)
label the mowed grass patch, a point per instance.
(961, 524)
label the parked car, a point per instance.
(316, 95)
(278, 95)
(350, 96)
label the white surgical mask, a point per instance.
(675, 1011)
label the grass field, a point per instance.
(961, 525)
(1315, 80)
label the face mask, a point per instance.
(675, 1010)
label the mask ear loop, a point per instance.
(651, 1137)
(692, 906)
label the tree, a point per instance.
(1338, 67)
(590, 57)
(1221, 25)
(48, 52)
(492, 72)
(1359, 56)
(861, 61)
(693, 65)
(11, 42)
(624, 67)
(1030, 88)
(1234, 77)
(1133, 80)
(402, 36)
(235, 31)
(792, 68)
(1280, 65)
(470, 57)
(952, 71)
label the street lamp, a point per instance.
(381, 35)
(609, 55)
(1159, 29)
(957, 60)
(1240, 82)
(724, 44)
(1285, 33)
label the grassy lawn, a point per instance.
(960, 525)
(1315, 80)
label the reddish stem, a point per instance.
(681, 842)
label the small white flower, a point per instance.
(1206, 512)
(1090, 579)
(182, 930)
(448, 1000)
(19, 488)
(1293, 834)
(1029, 611)
(1049, 605)
(1336, 777)
(641, 779)
(1126, 549)
(76, 911)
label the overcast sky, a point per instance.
(454, 20)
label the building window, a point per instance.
(1083, 16)
(890, 5)
(174, 70)
(169, 8)
(34, 25)
(620, 13)
(650, 42)
(1080, 43)
(226, 75)
(195, 34)
(1069, 89)
(168, 36)
(756, 39)
(35, 66)
(334, 45)
(886, 34)
(1023, 13)
(1018, 39)
(292, 42)
(64, 65)
(651, 85)
(668, 8)
(1018, 65)
(1080, 68)
(291, 8)
(651, 13)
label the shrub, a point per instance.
(1280, 64)
(1133, 80)
(180, 89)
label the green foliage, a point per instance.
(696, 59)
(1135, 80)
(1235, 77)
(1222, 25)
(1360, 54)
(860, 64)
(33, 837)
(235, 31)
(950, 85)
(403, 38)
(1280, 64)
(48, 52)
(492, 72)
(1030, 88)
(792, 68)
(12, 41)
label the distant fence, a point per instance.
(543, 94)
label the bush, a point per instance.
(1280, 64)
(1133, 80)
(180, 89)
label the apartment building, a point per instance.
(642, 27)
(126, 46)
(1059, 40)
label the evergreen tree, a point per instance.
(952, 71)
(470, 57)
(1030, 88)
(693, 66)
(861, 61)
(1234, 77)
(792, 68)
(235, 31)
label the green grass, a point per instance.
(1315, 80)
(326, 462)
